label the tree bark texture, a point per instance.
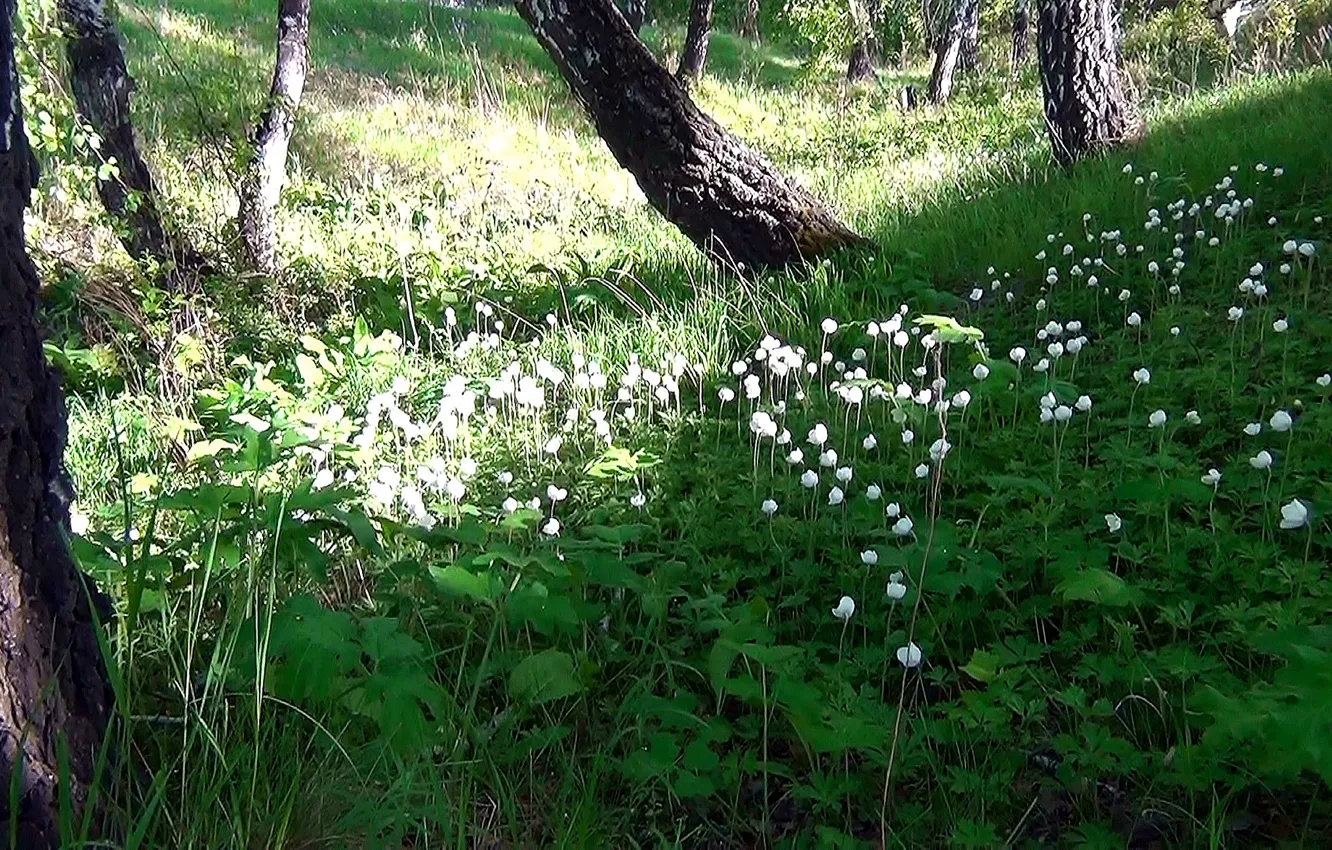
(1017, 56)
(749, 27)
(635, 12)
(267, 171)
(53, 691)
(860, 64)
(949, 50)
(968, 59)
(102, 86)
(727, 199)
(696, 42)
(1087, 108)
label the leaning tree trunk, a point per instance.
(949, 50)
(1086, 106)
(1017, 56)
(749, 23)
(968, 59)
(101, 86)
(696, 42)
(54, 700)
(723, 196)
(267, 171)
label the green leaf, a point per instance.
(543, 677)
(457, 581)
(359, 526)
(983, 666)
(1095, 585)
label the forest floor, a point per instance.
(501, 518)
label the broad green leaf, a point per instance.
(457, 581)
(983, 666)
(1095, 585)
(543, 677)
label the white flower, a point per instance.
(836, 496)
(829, 326)
(869, 557)
(893, 510)
(818, 435)
(510, 505)
(962, 399)
(1212, 477)
(1284, 268)
(556, 494)
(846, 606)
(1294, 514)
(809, 480)
(1307, 249)
(1324, 380)
(1063, 413)
(1290, 246)
(1280, 421)
(903, 527)
(1047, 416)
(551, 528)
(1017, 355)
(1193, 418)
(726, 394)
(910, 656)
(1113, 522)
(843, 474)
(1134, 320)
(1142, 376)
(939, 449)
(1253, 429)
(908, 436)
(638, 500)
(869, 443)
(1055, 349)
(1042, 365)
(1280, 326)
(323, 478)
(923, 471)
(769, 507)
(1157, 419)
(828, 458)
(1084, 403)
(1262, 460)
(980, 371)
(873, 492)
(895, 589)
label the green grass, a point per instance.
(306, 666)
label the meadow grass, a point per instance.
(341, 662)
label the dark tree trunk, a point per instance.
(696, 42)
(723, 196)
(1086, 106)
(1017, 56)
(54, 700)
(749, 23)
(968, 59)
(949, 50)
(267, 170)
(101, 86)
(860, 64)
(635, 12)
